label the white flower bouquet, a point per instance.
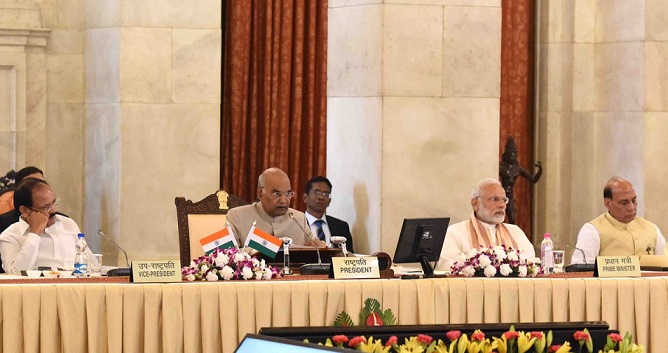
(228, 264)
(494, 262)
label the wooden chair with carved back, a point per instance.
(196, 220)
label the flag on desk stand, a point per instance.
(263, 242)
(222, 239)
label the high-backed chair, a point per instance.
(196, 220)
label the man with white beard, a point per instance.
(485, 227)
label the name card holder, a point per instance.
(617, 266)
(355, 267)
(156, 271)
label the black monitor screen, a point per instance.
(260, 343)
(421, 237)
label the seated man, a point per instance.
(618, 231)
(40, 237)
(7, 199)
(272, 212)
(318, 196)
(485, 228)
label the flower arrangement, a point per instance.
(510, 342)
(370, 315)
(228, 264)
(495, 261)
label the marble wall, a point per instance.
(152, 117)
(121, 108)
(413, 111)
(602, 108)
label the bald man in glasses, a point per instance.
(272, 213)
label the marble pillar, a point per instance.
(413, 111)
(602, 108)
(23, 85)
(152, 111)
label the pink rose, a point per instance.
(615, 337)
(536, 334)
(478, 336)
(424, 339)
(554, 348)
(340, 339)
(511, 334)
(391, 341)
(453, 335)
(581, 335)
(356, 341)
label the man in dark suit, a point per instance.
(318, 196)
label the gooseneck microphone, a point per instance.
(341, 242)
(121, 271)
(584, 267)
(311, 269)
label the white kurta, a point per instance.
(590, 242)
(23, 250)
(457, 242)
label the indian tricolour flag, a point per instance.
(222, 239)
(263, 242)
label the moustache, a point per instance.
(52, 215)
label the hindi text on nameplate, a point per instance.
(355, 267)
(618, 266)
(156, 271)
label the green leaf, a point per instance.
(388, 317)
(343, 319)
(370, 306)
(590, 342)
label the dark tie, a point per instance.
(321, 232)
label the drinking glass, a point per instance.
(95, 265)
(558, 260)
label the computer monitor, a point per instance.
(260, 343)
(421, 240)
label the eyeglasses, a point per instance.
(325, 194)
(278, 194)
(47, 208)
(495, 199)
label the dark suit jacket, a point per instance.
(338, 227)
(8, 218)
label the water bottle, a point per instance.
(81, 257)
(546, 254)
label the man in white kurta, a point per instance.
(485, 228)
(40, 238)
(619, 231)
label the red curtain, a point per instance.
(274, 97)
(517, 100)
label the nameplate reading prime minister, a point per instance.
(618, 266)
(156, 271)
(355, 267)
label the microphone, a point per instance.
(585, 267)
(117, 272)
(311, 269)
(341, 242)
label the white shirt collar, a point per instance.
(311, 219)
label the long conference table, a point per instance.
(213, 317)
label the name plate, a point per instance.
(618, 266)
(355, 267)
(156, 271)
